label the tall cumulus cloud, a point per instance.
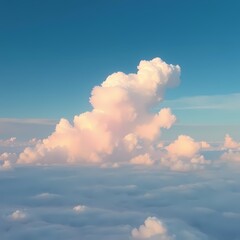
(121, 107)
(121, 125)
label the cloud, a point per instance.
(143, 159)
(184, 154)
(79, 208)
(183, 147)
(7, 160)
(152, 228)
(230, 143)
(121, 122)
(231, 155)
(18, 215)
(6, 165)
(8, 142)
(217, 102)
(232, 150)
(119, 200)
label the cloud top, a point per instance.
(152, 228)
(120, 124)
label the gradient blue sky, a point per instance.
(103, 177)
(53, 52)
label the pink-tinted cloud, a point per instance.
(153, 229)
(7, 160)
(230, 143)
(231, 155)
(121, 121)
(184, 154)
(143, 159)
(232, 150)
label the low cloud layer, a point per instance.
(69, 202)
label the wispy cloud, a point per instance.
(217, 102)
(38, 121)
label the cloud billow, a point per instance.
(121, 128)
(121, 108)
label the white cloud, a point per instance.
(7, 160)
(79, 208)
(231, 155)
(18, 215)
(184, 147)
(40, 121)
(232, 150)
(143, 159)
(230, 143)
(118, 201)
(184, 154)
(221, 102)
(8, 156)
(205, 145)
(121, 120)
(46, 195)
(153, 229)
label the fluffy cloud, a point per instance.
(230, 143)
(184, 154)
(232, 150)
(7, 160)
(152, 229)
(143, 159)
(6, 165)
(8, 142)
(183, 147)
(79, 208)
(231, 155)
(121, 122)
(18, 215)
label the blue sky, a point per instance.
(54, 52)
(127, 166)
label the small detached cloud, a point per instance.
(18, 215)
(6, 165)
(46, 196)
(152, 229)
(232, 153)
(8, 142)
(121, 124)
(79, 208)
(184, 154)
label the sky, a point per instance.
(53, 52)
(119, 120)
